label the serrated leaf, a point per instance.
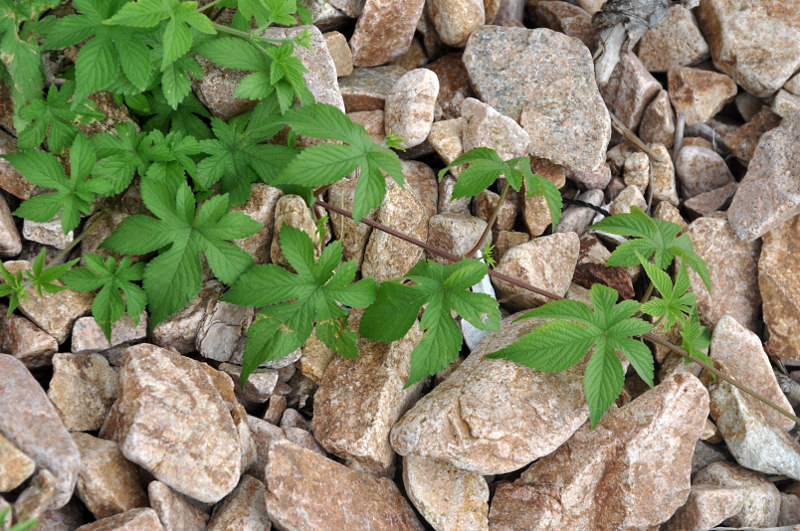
(97, 65)
(609, 328)
(174, 277)
(443, 289)
(295, 301)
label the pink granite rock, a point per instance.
(629, 90)
(701, 169)
(677, 41)
(410, 106)
(699, 94)
(455, 20)
(384, 31)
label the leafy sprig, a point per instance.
(442, 290)
(609, 328)
(40, 277)
(296, 303)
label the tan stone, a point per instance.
(454, 85)
(483, 126)
(761, 500)
(485, 204)
(410, 106)
(340, 52)
(260, 207)
(15, 466)
(569, 19)
(743, 141)
(132, 520)
(108, 484)
(422, 180)
(293, 211)
(243, 509)
(352, 420)
(446, 201)
(175, 511)
(447, 497)
(11, 180)
(629, 90)
(493, 416)
(596, 179)
(706, 507)
(785, 103)
(40, 494)
(180, 330)
(676, 42)
(455, 20)
(628, 197)
(602, 478)
(157, 427)
(757, 44)
(637, 171)
(454, 233)
(366, 89)
(413, 58)
(372, 122)
(299, 483)
(547, 262)
(384, 31)
(658, 121)
(82, 390)
(709, 202)
(10, 244)
(701, 169)
(53, 312)
(669, 212)
(24, 340)
(662, 178)
(88, 337)
(446, 139)
(732, 264)
(699, 94)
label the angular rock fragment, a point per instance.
(629, 90)
(10, 244)
(699, 94)
(454, 233)
(676, 42)
(180, 330)
(15, 466)
(133, 520)
(658, 121)
(24, 340)
(743, 141)
(366, 89)
(82, 390)
(454, 85)
(761, 501)
(455, 20)
(260, 207)
(701, 170)
(485, 127)
(384, 31)
(243, 509)
(88, 337)
(707, 507)
(569, 19)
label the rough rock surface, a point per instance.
(761, 501)
(707, 507)
(769, 194)
(658, 121)
(629, 90)
(366, 89)
(743, 141)
(492, 416)
(677, 41)
(699, 94)
(243, 509)
(15, 466)
(701, 169)
(558, 96)
(299, 486)
(82, 390)
(167, 403)
(176, 511)
(447, 497)
(485, 127)
(133, 520)
(384, 31)
(410, 106)
(34, 427)
(454, 233)
(455, 20)
(603, 478)
(24, 340)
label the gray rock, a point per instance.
(34, 427)
(222, 330)
(47, 233)
(410, 105)
(576, 218)
(761, 501)
(180, 330)
(324, 15)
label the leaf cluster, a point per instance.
(43, 279)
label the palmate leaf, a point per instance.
(654, 238)
(443, 289)
(675, 301)
(186, 119)
(43, 279)
(327, 163)
(486, 166)
(111, 278)
(695, 337)
(609, 328)
(21, 58)
(295, 302)
(175, 275)
(73, 195)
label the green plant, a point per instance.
(29, 523)
(190, 169)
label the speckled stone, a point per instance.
(158, 428)
(388, 257)
(576, 218)
(180, 330)
(384, 31)
(351, 8)
(629, 90)
(215, 90)
(243, 509)
(176, 511)
(15, 466)
(114, 114)
(769, 194)
(366, 89)
(658, 121)
(446, 201)
(454, 233)
(292, 210)
(372, 121)
(491, 416)
(483, 126)
(596, 179)
(637, 171)
(422, 180)
(410, 106)
(785, 103)
(707, 203)
(40, 494)
(676, 42)
(360, 399)
(781, 290)
(535, 213)
(133, 520)
(299, 483)
(447, 497)
(699, 94)
(325, 15)
(413, 58)
(507, 73)
(10, 244)
(733, 268)
(446, 139)
(547, 262)
(11, 180)
(35, 428)
(454, 85)
(628, 197)
(24, 340)
(758, 45)
(82, 390)
(260, 207)
(222, 330)
(485, 204)
(340, 52)
(321, 75)
(706, 507)
(700, 169)
(603, 477)
(669, 212)
(47, 233)
(88, 337)
(567, 18)
(108, 484)
(662, 176)
(455, 20)
(353, 235)
(743, 141)
(761, 500)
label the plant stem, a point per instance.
(648, 292)
(208, 5)
(500, 276)
(489, 224)
(231, 31)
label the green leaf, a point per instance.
(609, 328)
(538, 185)
(175, 82)
(294, 302)
(656, 238)
(97, 65)
(143, 13)
(20, 56)
(234, 53)
(443, 289)
(675, 301)
(186, 119)
(174, 277)
(695, 337)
